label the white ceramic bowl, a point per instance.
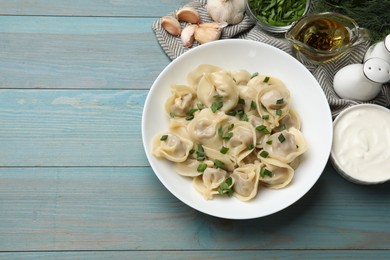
(308, 100)
(361, 144)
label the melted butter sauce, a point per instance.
(361, 143)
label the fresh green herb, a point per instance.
(230, 127)
(201, 167)
(224, 150)
(200, 106)
(227, 136)
(281, 138)
(282, 127)
(220, 131)
(232, 113)
(164, 138)
(269, 142)
(190, 117)
(218, 164)
(241, 101)
(264, 154)
(172, 115)
(265, 172)
(217, 97)
(244, 117)
(278, 112)
(216, 106)
(200, 154)
(279, 101)
(266, 79)
(254, 75)
(265, 117)
(263, 129)
(251, 147)
(253, 105)
(278, 12)
(226, 187)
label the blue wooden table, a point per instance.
(74, 179)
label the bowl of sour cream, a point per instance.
(361, 144)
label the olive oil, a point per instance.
(324, 34)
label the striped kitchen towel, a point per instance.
(324, 73)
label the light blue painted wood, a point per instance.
(90, 7)
(79, 52)
(71, 128)
(127, 208)
(217, 255)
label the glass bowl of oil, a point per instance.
(321, 37)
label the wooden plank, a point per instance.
(128, 209)
(79, 52)
(71, 128)
(222, 255)
(90, 7)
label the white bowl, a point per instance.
(361, 145)
(308, 100)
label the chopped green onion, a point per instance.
(172, 115)
(269, 142)
(282, 127)
(264, 154)
(200, 154)
(241, 101)
(164, 138)
(231, 126)
(190, 117)
(218, 164)
(227, 136)
(253, 105)
(265, 117)
(278, 112)
(218, 97)
(279, 101)
(216, 106)
(265, 172)
(263, 129)
(201, 167)
(231, 113)
(254, 75)
(251, 147)
(224, 150)
(200, 106)
(220, 131)
(266, 79)
(225, 187)
(244, 117)
(281, 138)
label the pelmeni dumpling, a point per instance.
(292, 119)
(260, 81)
(248, 99)
(275, 174)
(181, 100)
(190, 166)
(241, 77)
(194, 76)
(218, 88)
(285, 146)
(208, 183)
(171, 147)
(246, 180)
(274, 101)
(242, 140)
(203, 128)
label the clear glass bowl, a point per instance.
(271, 28)
(320, 37)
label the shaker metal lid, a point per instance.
(377, 70)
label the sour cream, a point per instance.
(361, 144)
